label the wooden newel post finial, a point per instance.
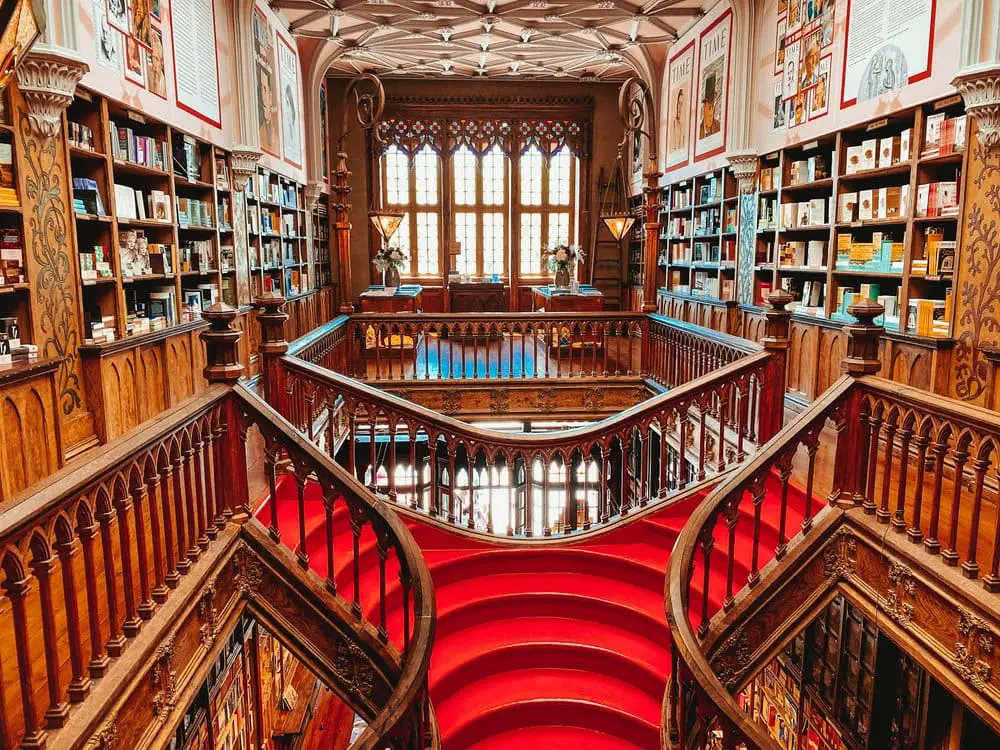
(992, 354)
(776, 325)
(273, 345)
(863, 339)
(222, 345)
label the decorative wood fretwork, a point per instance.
(974, 653)
(839, 557)
(901, 589)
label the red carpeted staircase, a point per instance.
(546, 646)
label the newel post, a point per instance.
(273, 346)
(222, 342)
(853, 433)
(776, 325)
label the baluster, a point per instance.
(435, 502)
(472, 461)
(682, 478)
(950, 555)
(406, 329)
(58, 710)
(107, 520)
(382, 549)
(623, 491)
(98, 658)
(585, 458)
(605, 345)
(379, 333)
(200, 493)
(270, 471)
(357, 518)
(452, 479)
(940, 449)
(331, 426)
(644, 449)
(702, 439)
(352, 440)
(216, 461)
(140, 503)
(899, 519)
(180, 508)
(569, 497)
(970, 568)
(602, 489)
(412, 433)
(731, 513)
(546, 495)
(491, 467)
(123, 506)
(154, 492)
(186, 475)
(372, 448)
(741, 427)
(882, 514)
(475, 353)
(302, 553)
(661, 489)
(875, 430)
(913, 532)
(329, 506)
(67, 547)
(18, 590)
(392, 459)
(991, 582)
(722, 406)
(757, 496)
(707, 541)
(812, 444)
(784, 467)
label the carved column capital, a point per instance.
(743, 165)
(980, 88)
(314, 189)
(47, 79)
(244, 162)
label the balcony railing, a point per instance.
(922, 467)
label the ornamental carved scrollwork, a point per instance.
(164, 679)
(354, 670)
(249, 572)
(451, 403)
(593, 399)
(499, 401)
(900, 593)
(974, 654)
(734, 656)
(546, 401)
(106, 737)
(208, 615)
(839, 557)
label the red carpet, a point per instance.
(549, 647)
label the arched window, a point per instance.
(413, 184)
(481, 209)
(549, 193)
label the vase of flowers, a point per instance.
(389, 260)
(561, 259)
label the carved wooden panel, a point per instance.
(30, 448)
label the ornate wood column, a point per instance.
(340, 193)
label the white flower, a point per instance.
(561, 254)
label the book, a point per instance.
(932, 134)
(125, 202)
(847, 207)
(7, 166)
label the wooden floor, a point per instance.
(436, 358)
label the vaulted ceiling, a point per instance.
(587, 40)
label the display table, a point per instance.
(477, 296)
(407, 298)
(586, 298)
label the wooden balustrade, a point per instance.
(532, 484)
(925, 467)
(680, 352)
(495, 346)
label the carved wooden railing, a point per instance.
(921, 467)
(109, 550)
(645, 454)
(679, 352)
(495, 346)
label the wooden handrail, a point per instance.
(308, 460)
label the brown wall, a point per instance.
(605, 135)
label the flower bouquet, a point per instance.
(561, 259)
(389, 260)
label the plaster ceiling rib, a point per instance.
(309, 18)
(307, 5)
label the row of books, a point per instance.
(707, 221)
(769, 178)
(8, 186)
(878, 153)
(11, 353)
(99, 328)
(803, 254)
(87, 197)
(80, 135)
(224, 213)
(939, 255)
(937, 199)
(193, 212)
(96, 264)
(143, 150)
(289, 225)
(679, 226)
(810, 213)
(708, 191)
(882, 203)
(767, 214)
(269, 255)
(289, 195)
(140, 257)
(680, 198)
(808, 296)
(848, 295)
(187, 158)
(131, 203)
(929, 317)
(943, 135)
(814, 168)
(882, 254)
(11, 256)
(221, 173)
(199, 298)
(269, 221)
(227, 258)
(195, 255)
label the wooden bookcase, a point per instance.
(321, 243)
(698, 236)
(15, 296)
(778, 265)
(279, 258)
(636, 244)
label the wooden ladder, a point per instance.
(606, 256)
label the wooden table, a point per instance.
(477, 296)
(586, 299)
(408, 298)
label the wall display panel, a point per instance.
(804, 35)
(713, 87)
(889, 46)
(196, 66)
(291, 108)
(680, 73)
(267, 84)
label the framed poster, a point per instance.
(680, 72)
(267, 84)
(155, 77)
(107, 39)
(713, 87)
(802, 62)
(196, 59)
(291, 119)
(889, 45)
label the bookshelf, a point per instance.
(321, 242)
(698, 236)
(276, 216)
(636, 271)
(870, 210)
(15, 296)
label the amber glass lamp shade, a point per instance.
(386, 222)
(20, 28)
(619, 224)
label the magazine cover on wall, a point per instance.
(681, 73)
(156, 79)
(802, 63)
(889, 45)
(135, 62)
(288, 79)
(322, 133)
(636, 156)
(713, 88)
(267, 84)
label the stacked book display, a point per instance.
(8, 188)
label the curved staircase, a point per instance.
(537, 645)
